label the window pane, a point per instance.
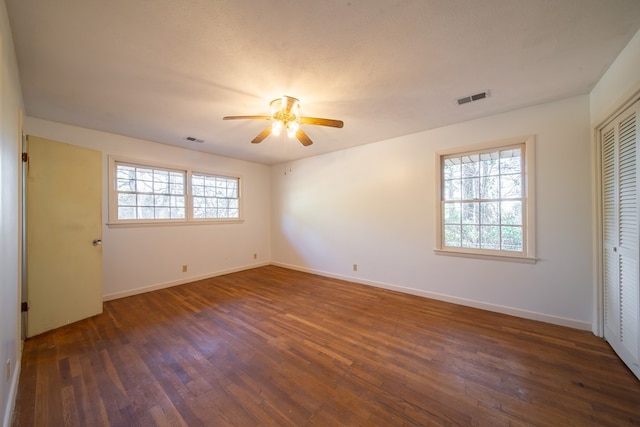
(232, 189)
(197, 190)
(511, 186)
(126, 184)
(143, 174)
(125, 172)
(490, 237)
(510, 161)
(161, 200)
(489, 187)
(489, 164)
(144, 186)
(452, 190)
(511, 213)
(470, 166)
(145, 200)
(126, 213)
(452, 235)
(145, 212)
(470, 236)
(452, 213)
(490, 213)
(512, 238)
(470, 188)
(125, 199)
(451, 169)
(162, 213)
(178, 201)
(161, 187)
(470, 213)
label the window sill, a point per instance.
(172, 223)
(521, 260)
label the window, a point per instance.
(214, 196)
(145, 193)
(485, 205)
(152, 194)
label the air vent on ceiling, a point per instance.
(193, 139)
(471, 98)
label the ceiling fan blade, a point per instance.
(246, 117)
(321, 122)
(262, 135)
(303, 138)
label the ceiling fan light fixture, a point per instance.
(276, 127)
(292, 128)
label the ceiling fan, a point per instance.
(285, 115)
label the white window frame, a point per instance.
(528, 254)
(189, 211)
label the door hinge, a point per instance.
(25, 157)
(24, 307)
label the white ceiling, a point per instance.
(163, 70)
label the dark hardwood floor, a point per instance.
(275, 347)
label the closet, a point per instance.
(620, 235)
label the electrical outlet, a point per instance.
(355, 267)
(184, 268)
(255, 256)
(8, 370)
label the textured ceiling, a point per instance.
(163, 70)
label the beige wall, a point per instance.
(619, 83)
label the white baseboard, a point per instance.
(143, 289)
(13, 392)
(526, 314)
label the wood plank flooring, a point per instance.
(275, 347)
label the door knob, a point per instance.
(97, 242)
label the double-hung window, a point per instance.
(485, 201)
(146, 193)
(142, 193)
(215, 196)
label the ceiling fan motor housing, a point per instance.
(285, 109)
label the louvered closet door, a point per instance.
(621, 223)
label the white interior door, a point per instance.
(621, 228)
(63, 218)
